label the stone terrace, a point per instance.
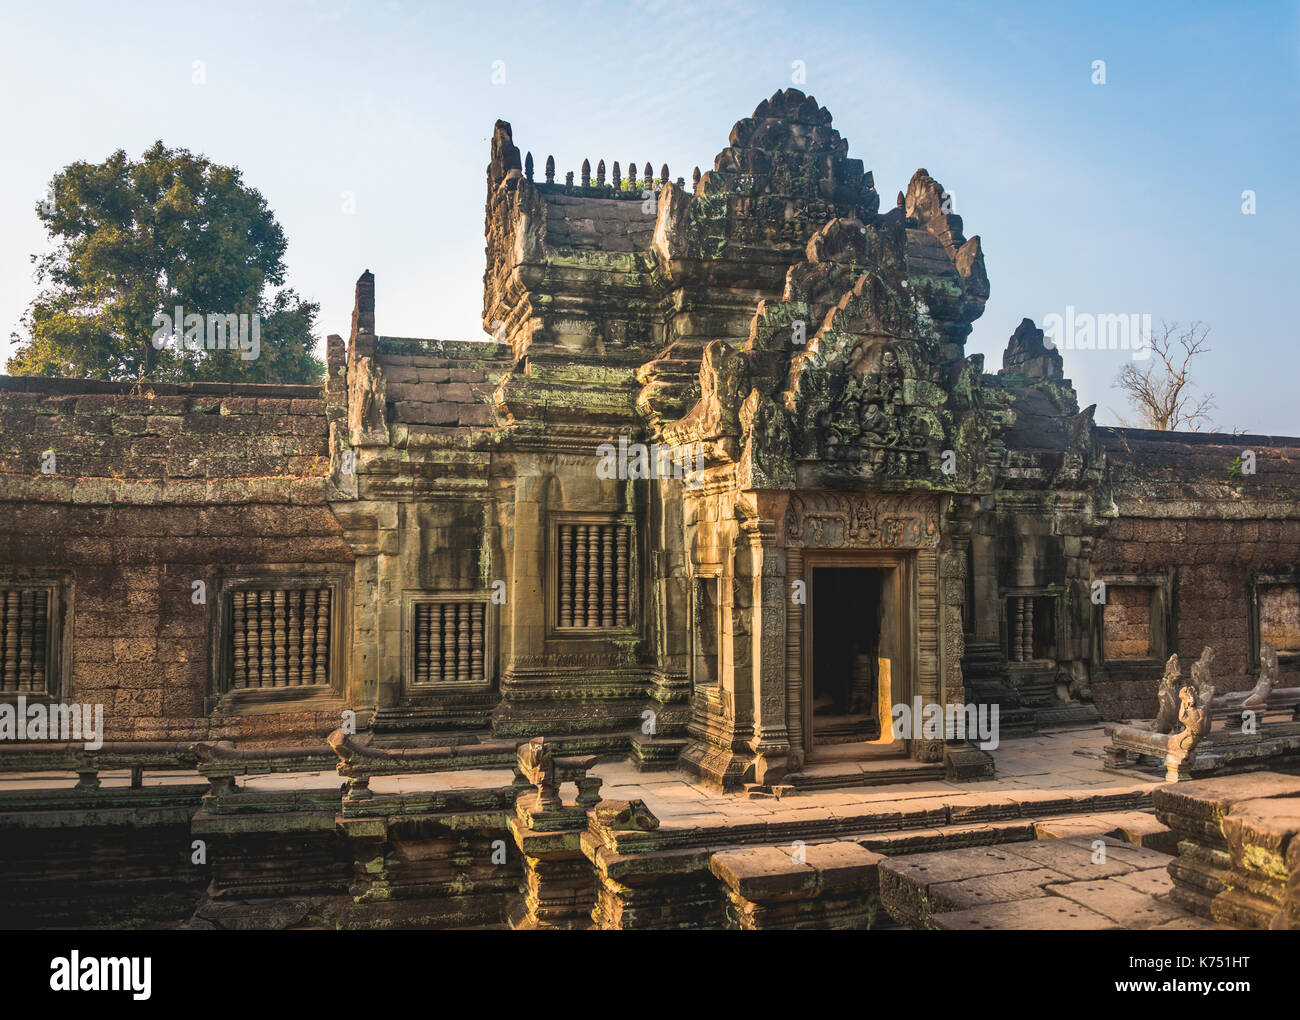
(1018, 851)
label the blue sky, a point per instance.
(1115, 198)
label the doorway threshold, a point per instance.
(862, 764)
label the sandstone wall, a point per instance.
(151, 491)
(1185, 504)
(443, 384)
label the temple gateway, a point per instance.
(724, 491)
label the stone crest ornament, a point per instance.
(537, 765)
(1201, 678)
(1268, 670)
(1194, 714)
(1167, 697)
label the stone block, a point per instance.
(764, 873)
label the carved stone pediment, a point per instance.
(848, 370)
(888, 418)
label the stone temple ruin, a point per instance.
(723, 492)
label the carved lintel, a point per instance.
(829, 520)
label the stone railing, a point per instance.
(1182, 734)
(87, 764)
(218, 762)
(221, 763)
(358, 761)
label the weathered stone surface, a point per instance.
(1237, 858)
(1045, 913)
(1011, 886)
(1119, 901)
(802, 354)
(764, 873)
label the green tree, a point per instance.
(134, 240)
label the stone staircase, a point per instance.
(1036, 683)
(1025, 692)
(985, 673)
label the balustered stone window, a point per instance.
(593, 580)
(1031, 627)
(278, 636)
(450, 640)
(31, 654)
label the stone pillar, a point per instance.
(670, 688)
(983, 549)
(373, 647)
(962, 759)
(928, 637)
(771, 740)
(952, 597)
(794, 678)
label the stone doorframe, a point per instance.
(866, 529)
(899, 585)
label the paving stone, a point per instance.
(1043, 913)
(1128, 907)
(925, 870)
(842, 865)
(1004, 888)
(1187, 922)
(1153, 880)
(1136, 827)
(1075, 857)
(1139, 856)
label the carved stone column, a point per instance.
(771, 741)
(962, 760)
(928, 636)
(952, 597)
(794, 678)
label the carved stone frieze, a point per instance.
(832, 520)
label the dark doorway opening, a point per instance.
(848, 610)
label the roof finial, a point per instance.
(550, 169)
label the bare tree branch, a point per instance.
(1160, 392)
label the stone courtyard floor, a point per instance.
(1065, 766)
(1055, 840)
